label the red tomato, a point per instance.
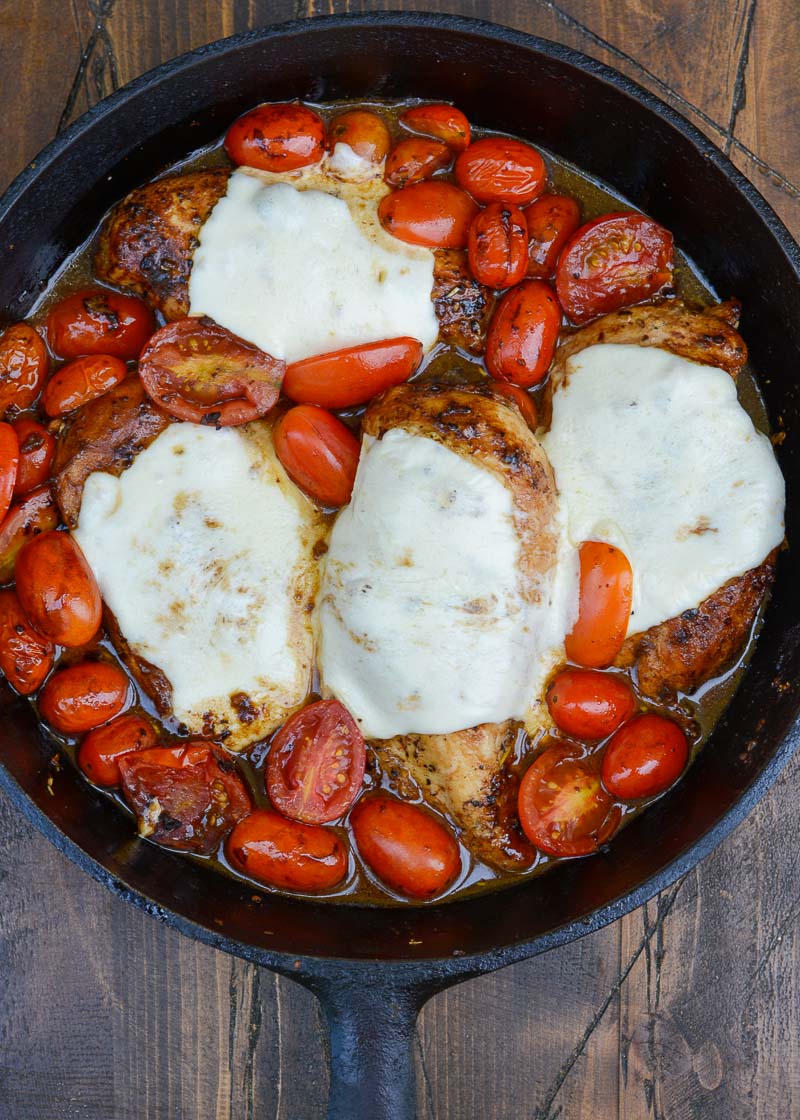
(287, 854)
(9, 462)
(36, 450)
(406, 847)
(23, 366)
(184, 797)
(81, 380)
(196, 370)
(445, 122)
(99, 321)
(84, 696)
(277, 138)
(588, 704)
(552, 219)
(362, 131)
(415, 159)
(498, 169)
(498, 245)
(604, 606)
(434, 213)
(524, 402)
(316, 763)
(563, 808)
(318, 453)
(523, 334)
(25, 656)
(100, 751)
(352, 376)
(613, 261)
(58, 590)
(644, 758)
(36, 513)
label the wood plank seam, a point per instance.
(102, 11)
(739, 88)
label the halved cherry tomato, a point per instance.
(498, 169)
(404, 844)
(9, 462)
(563, 808)
(25, 656)
(316, 763)
(433, 213)
(644, 758)
(604, 606)
(184, 797)
(352, 376)
(318, 453)
(613, 261)
(445, 122)
(196, 370)
(498, 245)
(80, 381)
(84, 696)
(415, 159)
(101, 750)
(589, 704)
(36, 513)
(36, 450)
(524, 402)
(99, 321)
(58, 590)
(552, 219)
(523, 334)
(287, 854)
(279, 137)
(362, 131)
(23, 366)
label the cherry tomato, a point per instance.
(552, 219)
(9, 462)
(58, 590)
(362, 131)
(23, 366)
(318, 453)
(316, 763)
(287, 854)
(415, 159)
(588, 704)
(498, 169)
(644, 758)
(99, 321)
(406, 847)
(84, 696)
(523, 334)
(184, 797)
(25, 656)
(445, 122)
(613, 261)
(352, 376)
(36, 450)
(100, 751)
(433, 213)
(563, 808)
(196, 370)
(81, 380)
(604, 606)
(36, 513)
(498, 245)
(277, 137)
(524, 402)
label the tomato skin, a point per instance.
(604, 606)
(433, 213)
(277, 137)
(523, 334)
(58, 590)
(588, 704)
(287, 854)
(101, 749)
(524, 402)
(80, 381)
(611, 262)
(415, 159)
(352, 376)
(405, 845)
(99, 321)
(9, 463)
(498, 245)
(25, 656)
(498, 169)
(445, 122)
(36, 513)
(552, 219)
(36, 450)
(84, 696)
(318, 453)
(644, 758)
(365, 132)
(23, 366)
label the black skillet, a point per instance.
(374, 968)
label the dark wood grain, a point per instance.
(686, 1008)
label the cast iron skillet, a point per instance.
(374, 968)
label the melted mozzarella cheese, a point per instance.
(202, 550)
(654, 454)
(299, 265)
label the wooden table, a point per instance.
(689, 1007)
